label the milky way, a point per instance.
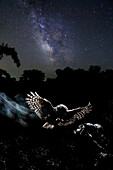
(52, 33)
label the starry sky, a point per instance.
(52, 34)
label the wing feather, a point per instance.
(76, 114)
(40, 106)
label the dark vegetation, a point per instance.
(9, 51)
(34, 148)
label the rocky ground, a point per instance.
(34, 148)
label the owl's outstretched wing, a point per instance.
(75, 114)
(42, 107)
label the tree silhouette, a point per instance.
(8, 51)
(31, 80)
(95, 69)
(4, 74)
(32, 75)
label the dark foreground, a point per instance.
(34, 148)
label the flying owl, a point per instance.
(55, 116)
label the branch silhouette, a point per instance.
(9, 51)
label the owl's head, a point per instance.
(61, 108)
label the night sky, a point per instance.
(52, 34)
